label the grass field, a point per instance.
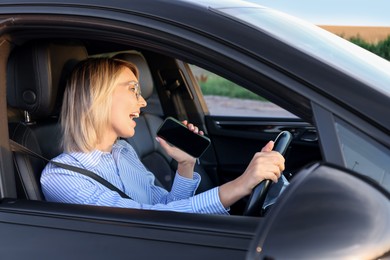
(367, 33)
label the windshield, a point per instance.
(325, 46)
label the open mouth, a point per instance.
(134, 115)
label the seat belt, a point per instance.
(18, 148)
(174, 90)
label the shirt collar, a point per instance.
(91, 160)
(88, 160)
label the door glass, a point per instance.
(364, 155)
(225, 98)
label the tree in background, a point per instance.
(381, 48)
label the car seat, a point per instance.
(36, 77)
(147, 148)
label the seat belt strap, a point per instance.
(18, 148)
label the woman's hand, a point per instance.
(185, 161)
(266, 164)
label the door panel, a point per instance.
(240, 122)
(236, 139)
(42, 230)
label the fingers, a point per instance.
(273, 173)
(192, 127)
(163, 143)
(268, 165)
(268, 147)
(271, 157)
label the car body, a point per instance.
(337, 204)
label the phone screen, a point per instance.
(177, 134)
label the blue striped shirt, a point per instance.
(122, 168)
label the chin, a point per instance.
(128, 135)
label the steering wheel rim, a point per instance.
(259, 193)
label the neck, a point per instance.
(104, 147)
(106, 144)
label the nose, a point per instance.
(142, 102)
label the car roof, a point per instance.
(197, 16)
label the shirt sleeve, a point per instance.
(182, 188)
(61, 185)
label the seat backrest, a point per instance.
(144, 142)
(36, 78)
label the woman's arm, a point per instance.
(60, 185)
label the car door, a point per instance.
(241, 122)
(42, 230)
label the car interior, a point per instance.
(36, 76)
(327, 209)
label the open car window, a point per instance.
(225, 98)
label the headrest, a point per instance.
(145, 77)
(37, 74)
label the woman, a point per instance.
(101, 101)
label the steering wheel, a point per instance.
(259, 193)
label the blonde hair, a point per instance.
(87, 102)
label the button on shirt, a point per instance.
(122, 168)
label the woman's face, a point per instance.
(125, 105)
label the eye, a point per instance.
(135, 88)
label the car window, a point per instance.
(324, 45)
(364, 155)
(225, 98)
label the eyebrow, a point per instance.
(128, 82)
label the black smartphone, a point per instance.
(177, 134)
